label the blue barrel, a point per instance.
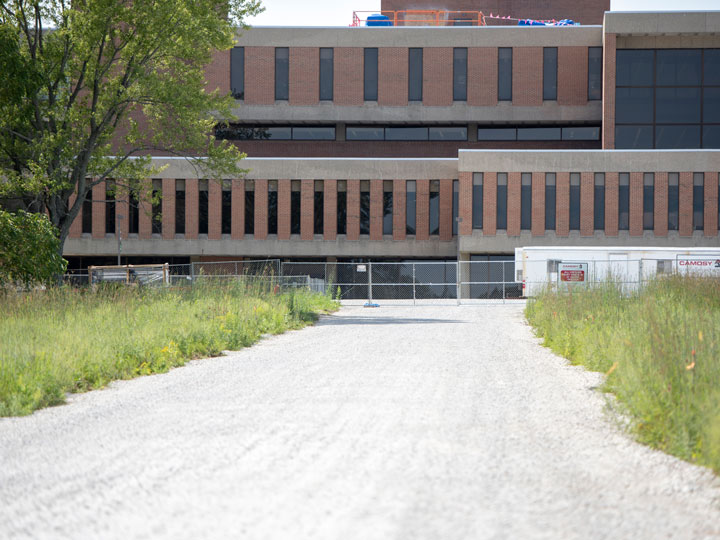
(378, 20)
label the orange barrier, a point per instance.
(433, 17)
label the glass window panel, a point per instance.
(698, 201)
(157, 207)
(575, 201)
(460, 74)
(677, 137)
(388, 207)
(550, 201)
(272, 207)
(319, 207)
(179, 206)
(406, 134)
(326, 74)
(237, 72)
(550, 69)
(711, 137)
(673, 201)
(342, 207)
(539, 134)
(711, 105)
(249, 207)
(477, 201)
(634, 105)
(526, 201)
(226, 212)
(679, 67)
(497, 134)
(455, 207)
(599, 202)
(712, 67)
(434, 209)
(410, 207)
(624, 202)
(364, 207)
(505, 74)
(581, 133)
(501, 222)
(648, 201)
(677, 105)
(295, 194)
(635, 67)
(282, 77)
(276, 133)
(633, 137)
(203, 208)
(363, 133)
(307, 133)
(87, 207)
(371, 74)
(415, 75)
(595, 67)
(451, 133)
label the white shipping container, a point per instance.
(537, 267)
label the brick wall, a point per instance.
(422, 210)
(489, 203)
(168, 208)
(304, 75)
(353, 209)
(538, 203)
(259, 75)
(446, 217)
(376, 209)
(261, 209)
(482, 76)
(145, 211)
(587, 198)
(527, 76)
(513, 203)
(686, 200)
(399, 209)
(437, 76)
(98, 211)
(348, 80)
(214, 210)
(237, 221)
(562, 204)
(608, 93)
(307, 209)
(661, 204)
(76, 226)
(283, 210)
(572, 76)
(393, 76)
(191, 208)
(330, 210)
(711, 204)
(636, 204)
(217, 73)
(465, 203)
(612, 193)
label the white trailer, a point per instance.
(540, 267)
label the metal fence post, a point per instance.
(457, 281)
(370, 282)
(503, 278)
(192, 273)
(413, 274)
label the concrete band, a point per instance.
(503, 112)
(498, 36)
(589, 160)
(689, 22)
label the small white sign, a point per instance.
(361, 268)
(572, 274)
(699, 265)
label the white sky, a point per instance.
(339, 12)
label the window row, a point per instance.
(415, 73)
(599, 201)
(407, 133)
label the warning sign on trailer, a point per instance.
(704, 265)
(572, 274)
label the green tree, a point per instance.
(81, 76)
(28, 249)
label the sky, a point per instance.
(339, 12)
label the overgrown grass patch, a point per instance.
(660, 349)
(68, 340)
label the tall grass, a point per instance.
(68, 340)
(660, 349)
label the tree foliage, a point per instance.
(92, 88)
(28, 249)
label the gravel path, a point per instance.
(393, 423)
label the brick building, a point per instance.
(452, 143)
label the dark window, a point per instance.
(712, 67)
(87, 208)
(313, 133)
(718, 191)
(237, 72)
(634, 137)
(673, 201)
(406, 134)
(434, 209)
(526, 201)
(477, 201)
(669, 137)
(497, 134)
(450, 133)
(364, 206)
(550, 198)
(110, 208)
(249, 207)
(203, 203)
(624, 202)
(502, 180)
(595, 67)
(581, 133)
(574, 201)
(410, 187)
(648, 201)
(272, 215)
(157, 206)
(460, 56)
(550, 71)
(635, 67)
(342, 207)
(679, 67)
(677, 105)
(505, 58)
(387, 207)
(415, 75)
(371, 74)
(226, 208)
(711, 136)
(295, 206)
(599, 202)
(711, 105)
(363, 133)
(699, 201)
(455, 206)
(282, 76)
(319, 207)
(634, 105)
(539, 134)
(133, 212)
(179, 206)
(326, 74)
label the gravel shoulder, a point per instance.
(433, 422)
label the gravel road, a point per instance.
(392, 423)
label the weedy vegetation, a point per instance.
(660, 349)
(68, 340)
